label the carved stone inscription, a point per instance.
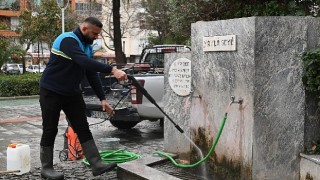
(180, 76)
(219, 43)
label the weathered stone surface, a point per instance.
(279, 101)
(310, 167)
(267, 132)
(178, 109)
(216, 77)
(139, 169)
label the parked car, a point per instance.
(35, 69)
(149, 73)
(10, 69)
(153, 81)
(20, 68)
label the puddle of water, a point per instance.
(183, 173)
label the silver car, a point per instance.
(10, 69)
(35, 69)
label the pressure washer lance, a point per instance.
(149, 97)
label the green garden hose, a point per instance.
(206, 157)
(120, 156)
(117, 156)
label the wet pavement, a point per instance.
(20, 122)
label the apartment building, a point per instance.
(10, 10)
(135, 36)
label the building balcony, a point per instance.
(12, 8)
(9, 13)
(8, 33)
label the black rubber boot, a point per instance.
(47, 171)
(91, 153)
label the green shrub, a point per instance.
(311, 80)
(311, 65)
(19, 85)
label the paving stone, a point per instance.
(137, 140)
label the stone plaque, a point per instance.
(180, 76)
(219, 43)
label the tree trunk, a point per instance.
(23, 60)
(120, 56)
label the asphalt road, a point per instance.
(20, 122)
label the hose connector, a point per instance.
(240, 100)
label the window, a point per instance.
(142, 24)
(89, 8)
(142, 20)
(4, 23)
(156, 59)
(111, 44)
(13, 5)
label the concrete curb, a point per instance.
(19, 97)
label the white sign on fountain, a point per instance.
(180, 76)
(219, 43)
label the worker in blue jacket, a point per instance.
(71, 59)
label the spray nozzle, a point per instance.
(232, 99)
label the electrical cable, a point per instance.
(113, 109)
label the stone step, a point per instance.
(309, 167)
(141, 169)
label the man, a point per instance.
(71, 60)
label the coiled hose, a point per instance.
(117, 156)
(120, 156)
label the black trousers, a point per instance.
(74, 107)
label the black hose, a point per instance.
(150, 98)
(113, 109)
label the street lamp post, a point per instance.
(38, 56)
(63, 4)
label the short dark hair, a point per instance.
(93, 21)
